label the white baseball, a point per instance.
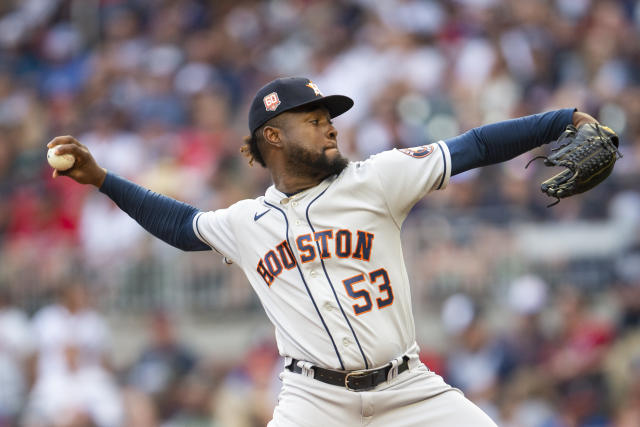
(62, 162)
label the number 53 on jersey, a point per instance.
(354, 288)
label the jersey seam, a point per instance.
(324, 269)
(444, 171)
(200, 236)
(326, 328)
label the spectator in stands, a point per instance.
(16, 347)
(575, 360)
(73, 385)
(477, 359)
(248, 394)
(162, 365)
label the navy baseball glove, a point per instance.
(587, 153)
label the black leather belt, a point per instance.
(353, 380)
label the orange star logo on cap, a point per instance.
(315, 88)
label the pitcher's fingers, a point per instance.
(67, 172)
(74, 149)
(60, 140)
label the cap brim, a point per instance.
(335, 104)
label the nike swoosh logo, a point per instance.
(257, 217)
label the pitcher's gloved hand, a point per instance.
(588, 154)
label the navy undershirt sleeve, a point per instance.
(162, 216)
(505, 140)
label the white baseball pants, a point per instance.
(417, 397)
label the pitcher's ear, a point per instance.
(272, 136)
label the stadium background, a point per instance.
(533, 312)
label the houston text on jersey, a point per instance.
(346, 244)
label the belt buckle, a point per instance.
(361, 373)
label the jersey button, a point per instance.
(298, 222)
(346, 342)
(313, 273)
(328, 306)
(294, 204)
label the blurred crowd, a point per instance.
(159, 91)
(56, 369)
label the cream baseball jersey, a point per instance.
(327, 262)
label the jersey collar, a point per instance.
(275, 196)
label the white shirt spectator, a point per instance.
(16, 346)
(71, 378)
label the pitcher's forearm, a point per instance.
(167, 219)
(498, 142)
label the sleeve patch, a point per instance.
(418, 152)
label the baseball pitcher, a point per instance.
(322, 248)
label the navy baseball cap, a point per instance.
(287, 93)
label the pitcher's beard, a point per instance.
(306, 163)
